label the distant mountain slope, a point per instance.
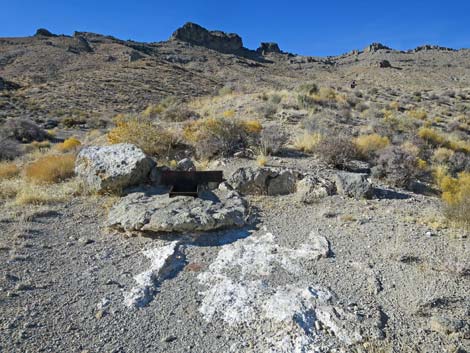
(90, 73)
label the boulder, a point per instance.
(217, 40)
(186, 164)
(263, 181)
(354, 185)
(266, 48)
(142, 211)
(384, 64)
(311, 189)
(112, 168)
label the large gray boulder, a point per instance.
(354, 185)
(217, 40)
(112, 168)
(159, 213)
(311, 189)
(263, 181)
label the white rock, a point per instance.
(112, 168)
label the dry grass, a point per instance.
(70, 144)
(262, 160)
(307, 142)
(8, 170)
(21, 192)
(456, 196)
(50, 169)
(368, 145)
(144, 133)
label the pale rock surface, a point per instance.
(112, 168)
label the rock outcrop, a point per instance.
(375, 47)
(44, 33)
(216, 40)
(263, 181)
(266, 48)
(161, 214)
(112, 168)
(432, 47)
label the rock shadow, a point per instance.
(381, 194)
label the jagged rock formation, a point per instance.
(375, 47)
(217, 40)
(432, 47)
(270, 47)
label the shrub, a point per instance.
(228, 113)
(68, 145)
(271, 140)
(432, 136)
(142, 132)
(8, 170)
(459, 162)
(442, 155)
(309, 88)
(178, 113)
(267, 110)
(51, 169)
(456, 197)
(307, 141)
(275, 98)
(336, 150)
(71, 122)
(9, 149)
(211, 137)
(418, 114)
(369, 145)
(252, 126)
(397, 166)
(23, 130)
(225, 91)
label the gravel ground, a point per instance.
(64, 278)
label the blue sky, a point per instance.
(304, 27)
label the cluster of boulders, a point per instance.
(147, 207)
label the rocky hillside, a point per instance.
(92, 74)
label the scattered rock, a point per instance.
(169, 339)
(354, 185)
(311, 189)
(356, 166)
(159, 213)
(263, 181)
(320, 244)
(447, 326)
(50, 124)
(186, 164)
(217, 40)
(112, 168)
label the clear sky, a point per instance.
(303, 27)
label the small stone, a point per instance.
(169, 339)
(85, 241)
(99, 314)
